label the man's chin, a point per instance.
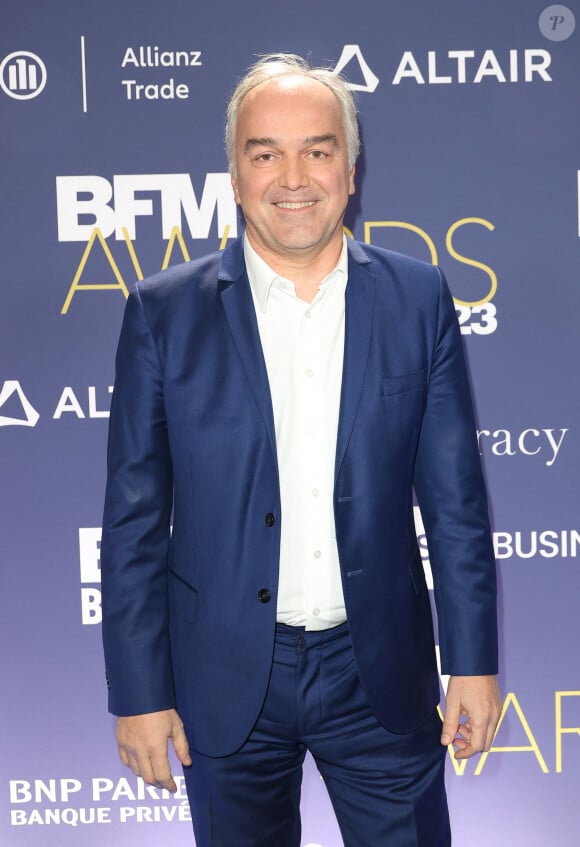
(296, 242)
(300, 241)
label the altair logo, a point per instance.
(352, 53)
(13, 397)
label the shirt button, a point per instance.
(315, 492)
(270, 520)
(315, 612)
(309, 372)
(264, 595)
(308, 315)
(317, 554)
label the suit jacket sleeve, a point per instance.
(136, 527)
(451, 494)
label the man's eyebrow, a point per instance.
(322, 139)
(264, 141)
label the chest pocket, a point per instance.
(404, 383)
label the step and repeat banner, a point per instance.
(111, 122)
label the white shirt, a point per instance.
(303, 345)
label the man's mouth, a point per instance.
(303, 205)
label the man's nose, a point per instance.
(293, 174)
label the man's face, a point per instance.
(292, 177)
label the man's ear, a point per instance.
(235, 189)
(351, 185)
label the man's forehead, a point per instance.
(285, 89)
(263, 109)
(292, 83)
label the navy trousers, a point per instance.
(387, 790)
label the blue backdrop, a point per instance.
(112, 158)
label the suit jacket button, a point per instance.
(270, 519)
(264, 595)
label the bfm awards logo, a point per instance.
(91, 209)
(22, 75)
(115, 206)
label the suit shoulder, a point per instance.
(399, 265)
(178, 279)
(405, 278)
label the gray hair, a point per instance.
(276, 65)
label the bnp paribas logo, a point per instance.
(353, 65)
(15, 407)
(22, 75)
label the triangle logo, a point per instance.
(352, 53)
(27, 414)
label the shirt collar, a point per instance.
(262, 277)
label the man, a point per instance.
(283, 399)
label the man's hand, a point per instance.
(477, 698)
(142, 743)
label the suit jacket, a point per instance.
(186, 623)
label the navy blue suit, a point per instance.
(192, 443)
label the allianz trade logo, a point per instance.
(22, 75)
(17, 410)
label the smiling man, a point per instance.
(293, 186)
(284, 399)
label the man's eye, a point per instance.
(317, 154)
(264, 157)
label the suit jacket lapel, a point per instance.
(236, 297)
(359, 307)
